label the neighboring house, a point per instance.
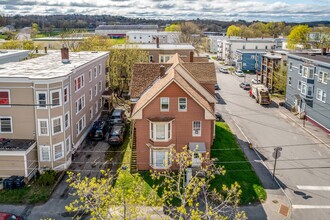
(7, 56)
(213, 42)
(308, 87)
(172, 107)
(47, 106)
(119, 31)
(272, 62)
(249, 60)
(227, 47)
(150, 37)
(161, 53)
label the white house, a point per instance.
(142, 37)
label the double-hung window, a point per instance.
(100, 69)
(66, 94)
(79, 83)
(41, 100)
(57, 125)
(300, 69)
(311, 73)
(304, 72)
(80, 104)
(182, 104)
(4, 97)
(81, 124)
(95, 72)
(58, 151)
(160, 131)
(196, 128)
(90, 75)
(95, 89)
(321, 95)
(6, 124)
(67, 120)
(323, 77)
(100, 86)
(160, 158)
(299, 85)
(44, 153)
(55, 96)
(90, 94)
(68, 145)
(303, 88)
(43, 127)
(164, 104)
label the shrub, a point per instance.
(48, 178)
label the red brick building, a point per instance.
(172, 107)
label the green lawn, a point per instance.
(226, 149)
(3, 36)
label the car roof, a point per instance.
(117, 112)
(116, 129)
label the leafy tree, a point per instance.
(18, 44)
(233, 30)
(323, 40)
(121, 66)
(279, 79)
(104, 198)
(96, 43)
(191, 34)
(259, 29)
(246, 32)
(173, 28)
(196, 198)
(298, 35)
(34, 30)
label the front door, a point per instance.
(196, 160)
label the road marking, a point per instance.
(320, 188)
(310, 206)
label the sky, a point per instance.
(224, 10)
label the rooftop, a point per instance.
(252, 51)
(127, 27)
(153, 32)
(8, 53)
(48, 66)
(154, 46)
(273, 56)
(314, 57)
(15, 144)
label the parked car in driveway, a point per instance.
(98, 130)
(118, 117)
(216, 86)
(245, 86)
(8, 216)
(256, 81)
(239, 73)
(117, 135)
(223, 70)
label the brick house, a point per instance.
(172, 107)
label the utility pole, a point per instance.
(276, 154)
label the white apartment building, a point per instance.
(47, 106)
(150, 37)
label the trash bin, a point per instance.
(19, 182)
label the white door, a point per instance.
(196, 160)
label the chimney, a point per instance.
(65, 55)
(191, 56)
(162, 71)
(324, 51)
(157, 42)
(45, 49)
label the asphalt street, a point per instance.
(303, 169)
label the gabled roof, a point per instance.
(203, 72)
(175, 73)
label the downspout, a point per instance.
(36, 123)
(63, 123)
(50, 126)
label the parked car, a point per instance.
(118, 117)
(8, 216)
(245, 86)
(216, 86)
(256, 81)
(223, 70)
(239, 73)
(117, 135)
(98, 130)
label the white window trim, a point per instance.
(303, 85)
(11, 125)
(90, 94)
(90, 75)
(152, 159)
(61, 120)
(303, 72)
(193, 133)
(96, 106)
(82, 82)
(83, 125)
(322, 92)
(153, 131)
(302, 69)
(62, 150)
(298, 85)
(95, 88)
(164, 110)
(9, 97)
(66, 88)
(40, 151)
(83, 106)
(68, 151)
(100, 69)
(322, 79)
(95, 72)
(59, 98)
(91, 113)
(38, 103)
(66, 127)
(100, 86)
(182, 110)
(39, 127)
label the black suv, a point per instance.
(117, 135)
(98, 130)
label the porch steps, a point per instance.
(133, 153)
